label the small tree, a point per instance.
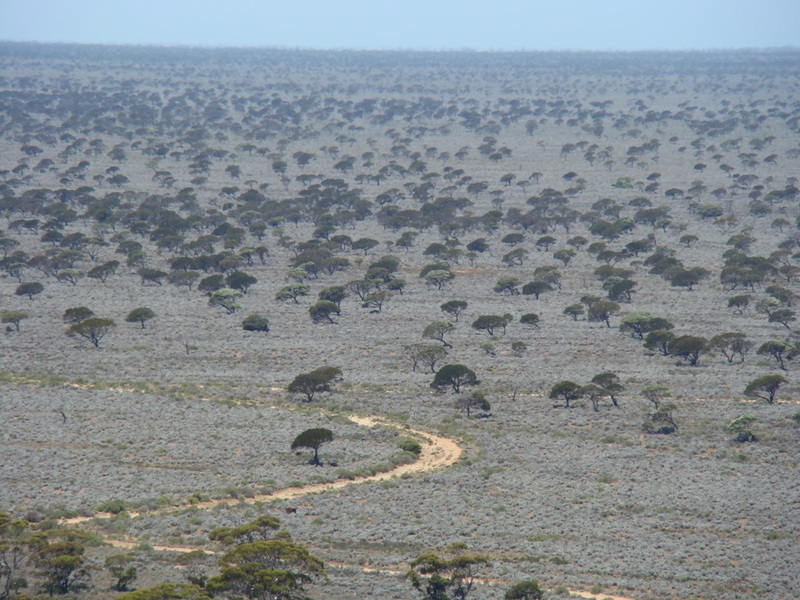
(323, 311)
(661, 421)
(226, 298)
(565, 390)
(318, 380)
(601, 311)
(140, 315)
(29, 289)
(255, 322)
(437, 330)
(574, 311)
(474, 401)
(490, 323)
(241, 281)
(730, 344)
(689, 347)
(440, 578)
(13, 317)
(655, 394)
(313, 438)
(454, 376)
(531, 319)
(765, 387)
(123, 568)
(93, 329)
(741, 427)
(292, 292)
(77, 314)
(454, 308)
(778, 350)
(524, 590)
(610, 383)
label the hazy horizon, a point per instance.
(502, 25)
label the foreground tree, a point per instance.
(765, 387)
(454, 376)
(15, 551)
(123, 568)
(524, 590)
(266, 570)
(318, 380)
(140, 315)
(168, 591)
(60, 560)
(441, 579)
(313, 438)
(93, 329)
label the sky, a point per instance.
(410, 24)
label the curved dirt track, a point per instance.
(437, 452)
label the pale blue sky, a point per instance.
(417, 24)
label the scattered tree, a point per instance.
(29, 289)
(140, 315)
(226, 298)
(318, 380)
(255, 322)
(474, 401)
(437, 330)
(313, 438)
(765, 387)
(454, 308)
(565, 390)
(454, 376)
(93, 329)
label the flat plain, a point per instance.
(628, 187)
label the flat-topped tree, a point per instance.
(318, 380)
(454, 376)
(313, 438)
(140, 315)
(93, 329)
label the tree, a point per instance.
(313, 438)
(266, 570)
(739, 303)
(375, 300)
(778, 350)
(454, 308)
(535, 288)
(438, 278)
(491, 322)
(642, 322)
(661, 421)
(168, 591)
(13, 316)
(454, 376)
(659, 340)
(476, 400)
(765, 387)
(574, 311)
(226, 298)
(437, 330)
(61, 562)
(323, 311)
(730, 344)
(741, 427)
(255, 322)
(93, 329)
(610, 383)
(784, 316)
(364, 244)
(440, 578)
(104, 271)
(565, 390)
(334, 293)
(15, 551)
(318, 380)
(151, 276)
(29, 289)
(241, 281)
(524, 590)
(655, 394)
(140, 315)
(77, 314)
(531, 319)
(292, 291)
(601, 311)
(507, 285)
(123, 568)
(689, 347)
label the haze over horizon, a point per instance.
(501, 25)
